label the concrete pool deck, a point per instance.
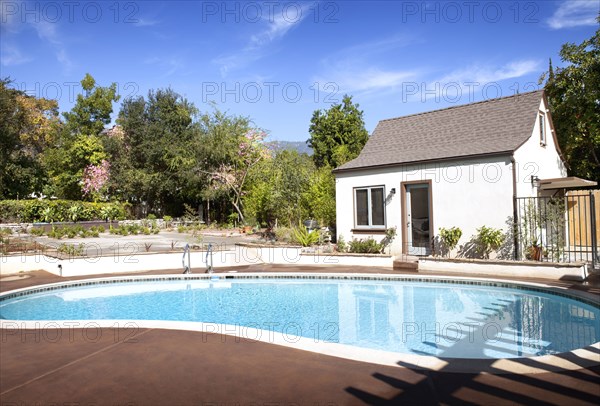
(154, 366)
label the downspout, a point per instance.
(515, 209)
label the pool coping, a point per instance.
(573, 360)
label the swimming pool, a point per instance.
(423, 316)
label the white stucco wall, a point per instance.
(466, 194)
(534, 159)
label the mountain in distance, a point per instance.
(300, 146)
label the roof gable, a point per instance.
(489, 127)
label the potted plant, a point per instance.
(535, 251)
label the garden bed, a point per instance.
(47, 227)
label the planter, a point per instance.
(535, 253)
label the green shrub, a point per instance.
(283, 234)
(370, 246)
(75, 212)
(364, 246)
(450, 237)
(4, 233)
(133, 229)
(151, 216)
(488, 239)
(341, 244)
(50, 211)
(37, 231)
(72, 250)
(301, 236)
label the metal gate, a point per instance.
(559, 229)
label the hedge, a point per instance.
(31, 211)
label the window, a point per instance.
(370, 207)
(542, 122)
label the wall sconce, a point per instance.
(534, 178)
(393, 191)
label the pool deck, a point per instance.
(129, 366)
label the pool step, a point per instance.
(406, 263)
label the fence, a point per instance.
(559, 229)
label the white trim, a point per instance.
(370, 225)
(542, 128)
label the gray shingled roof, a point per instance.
(489, 127)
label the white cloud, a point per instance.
(48, 32)
(170, 66)
(355, 69)
(142, 22)
(9, 18)
(488, 74)
(363, 81)
(370, 49)
(276, 28)
(12, 25)
(12, 56)
(575, 13)
(465, 81)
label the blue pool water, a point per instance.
(426, 318)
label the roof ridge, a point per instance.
(464, 105)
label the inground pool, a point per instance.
(423, 316)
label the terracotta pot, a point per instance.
(536, 253)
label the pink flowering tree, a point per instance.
(231, 178)
(95, 178)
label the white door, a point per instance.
(418, 219)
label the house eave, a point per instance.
(571, 182)
(423, 161)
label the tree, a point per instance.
(92, 109)
(154, 150)
(574, 98)
(231, 177)
(277, 187)
(95, 178)
(66, 163)
(338, 134)
(226, 149)
(79, 144)
(28, 125)
(320, 196)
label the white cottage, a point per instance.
(459, 166)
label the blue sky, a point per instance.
(277, 62)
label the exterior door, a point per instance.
(418, 238)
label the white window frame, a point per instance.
(542, 129)
(370, 226)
